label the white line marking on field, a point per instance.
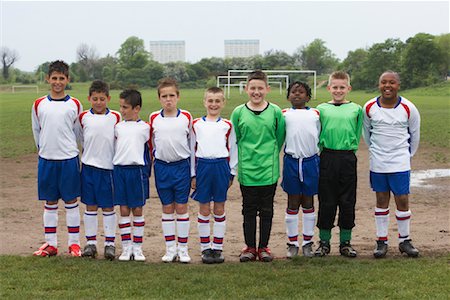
(418, 177)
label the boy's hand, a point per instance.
(193, 183)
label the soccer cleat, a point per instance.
(218, 256)
(110, 252)
(248, 254)
(137, 254)
(347, 250)
(307, 250)
(183, 255)
(265, 255)
(381, 249)
(127, 253)
(323, 250)
(292, 250)
(208, 256)
(171, 254)
(75, 250)
(46, 250)
(408, 248)
(90, 250)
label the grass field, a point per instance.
(17, 139)
(331, 277)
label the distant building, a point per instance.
(241, 48)
(168, 51)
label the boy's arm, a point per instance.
(233, 152)
(366, 127)
(35, 125)
(280, 130)
(235, 121)
(359, 124)
(193, 142)
(414, 129)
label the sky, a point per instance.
(42, 31)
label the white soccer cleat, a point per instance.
(171, 254)
(127, 253)
(183, 254)
(137, 254)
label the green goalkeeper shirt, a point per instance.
(259, 136)
(341, 125)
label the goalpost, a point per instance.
(284, 78)
(17, 88)
(274, 71)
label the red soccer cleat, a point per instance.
(46, 250)
(74, 250)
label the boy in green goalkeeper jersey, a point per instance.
(341, 131)
(260, 133)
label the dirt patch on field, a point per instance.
(21, 214)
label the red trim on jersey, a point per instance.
(117, 116)
(150, 122)
(78, 104)
(284, 110)
(227, 136)
(36, 103)
(406, 108)
(369, 106)
(80, 117)
(193, 123)
(317, 112)
(188, 115)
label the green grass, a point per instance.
(17, 138)
(325, 278)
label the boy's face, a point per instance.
(214, 102)
(339, 89)
(168, 98)
(128, 113)
(58, 82)
(389, 86)
(298, 96)
(257, 90)
(99, 102)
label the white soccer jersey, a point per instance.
(98, 138)
(302, 132)
(132, 143)
(214, 140)
(170, 136)
(392, 135)
(55, 126)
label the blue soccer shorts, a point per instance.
(97, 186)
(59, 179)
(212, 180)
(397, 182)
(131, 186)
(301, 176)
(173, 181)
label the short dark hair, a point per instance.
(58, 66)
(214, 90)
(166, 82)
(257, 75)
(99, 86)
(132, 97)
(299, 83)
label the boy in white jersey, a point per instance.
(97, 126)
(392, 132)
(301, 166)
(214, 165)
(131, 171)
(170, 147)
(55, 131)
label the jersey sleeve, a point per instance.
(359, 124)
(366, 126)
(281, 129)
(414, 129)
(235, 121)
(232, 145)
(35, 125)
(192, 146)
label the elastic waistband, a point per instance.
(304, 159)
(211, 160)
(172, 163)
(337, 151)
(128, 166)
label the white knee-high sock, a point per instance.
(50, 217)
(204, 231)
(109, 227)
(183, 225)
(168, 228)
(291, 221)
(73, 223)
(219, 228)
(309, 221)
(138, 231)
(403, 222)
(125, 231)
(382, 223)
(90, 226)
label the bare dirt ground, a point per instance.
(21, 215)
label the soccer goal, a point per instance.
(232, 73)
(231, 82)
(24, 88)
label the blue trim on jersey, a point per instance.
(92, 111)
(66, 97)
(204, 119)
(399, 100)
(162, 112)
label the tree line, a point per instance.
(421, 60)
